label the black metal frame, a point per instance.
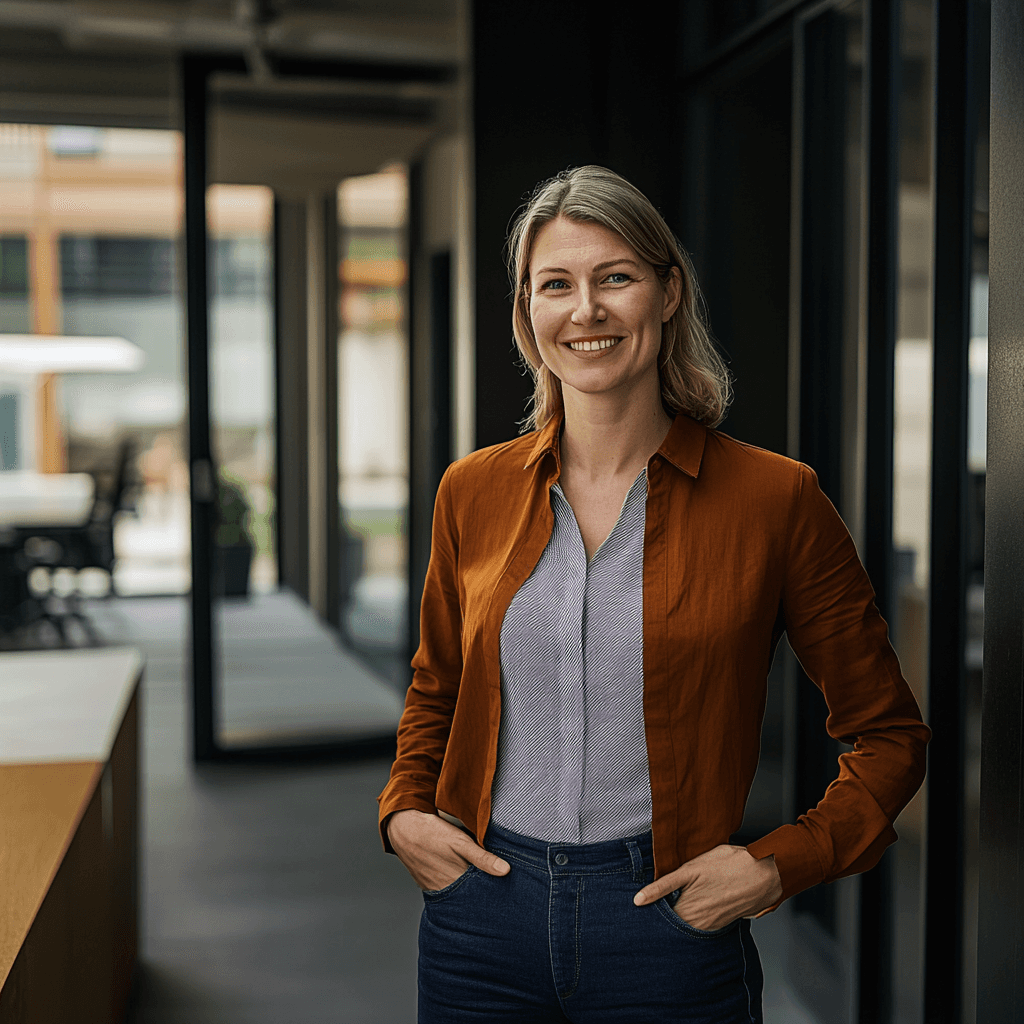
(955, 143)
(195, 73)
(1001, 903)
(880, 197)
(422, 490)
(332, 528)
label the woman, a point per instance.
(603, 602)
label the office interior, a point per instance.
(253, 302)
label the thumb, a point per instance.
(677, 879)
(484, 860)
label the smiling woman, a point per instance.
(606, 212)
(604, 599)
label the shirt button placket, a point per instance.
(571, 703)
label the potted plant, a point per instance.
(233, 537)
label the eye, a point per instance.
(624, 277)
(555, 284)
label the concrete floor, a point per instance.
(265, 894)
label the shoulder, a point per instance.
(750, 485)
(505, 459)
(749, 468)
(499, 469)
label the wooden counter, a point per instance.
(68, 834)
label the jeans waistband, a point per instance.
(632, 853)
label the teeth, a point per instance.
(591, 346)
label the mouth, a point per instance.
(593, 344)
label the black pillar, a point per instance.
(1001, 897)
(955, 141)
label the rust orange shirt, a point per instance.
(740, 545)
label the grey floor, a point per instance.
(265, 894)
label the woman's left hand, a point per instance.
(718, 887)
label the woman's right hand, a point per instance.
(435, 852)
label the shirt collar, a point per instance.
(547, 439)
(683, 445)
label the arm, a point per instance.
(437, 669)
(434, 851)
(842, 643)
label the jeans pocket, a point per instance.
(667, 908)
(433, 895)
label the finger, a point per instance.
(484, 860)
(661, 887)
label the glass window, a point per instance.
(373, 399)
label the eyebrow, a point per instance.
(600, 266)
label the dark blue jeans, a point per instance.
(559, 939)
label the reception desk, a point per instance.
(69, 827)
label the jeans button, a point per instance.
(561, 859)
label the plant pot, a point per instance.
(233, 565)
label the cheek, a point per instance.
(543, 323)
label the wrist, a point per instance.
(773, 880)
(399, 832)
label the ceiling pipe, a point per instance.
(250, 27)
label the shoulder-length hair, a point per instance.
(694, 377)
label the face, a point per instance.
(597, 308)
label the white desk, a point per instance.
(64, 705)
(45, 499)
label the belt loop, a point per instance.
(637, 862)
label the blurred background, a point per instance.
(253, 303)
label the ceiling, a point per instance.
(402, 30)
(116, 63)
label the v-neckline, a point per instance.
(618, 519)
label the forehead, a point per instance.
(577, 245)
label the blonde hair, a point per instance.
(694, 377)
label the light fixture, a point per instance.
(41, 353)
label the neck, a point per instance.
(603, 438)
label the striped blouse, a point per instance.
(572, 752)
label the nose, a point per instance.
(587, 310)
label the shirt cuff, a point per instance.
(795, 858)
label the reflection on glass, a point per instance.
(977, 396)
(373, 455)
(912, 456)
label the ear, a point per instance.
(673, 289)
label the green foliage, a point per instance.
(233, 512)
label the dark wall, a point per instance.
(735, 200)
(549, 93)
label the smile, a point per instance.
(594, 345)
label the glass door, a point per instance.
(271, 677)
